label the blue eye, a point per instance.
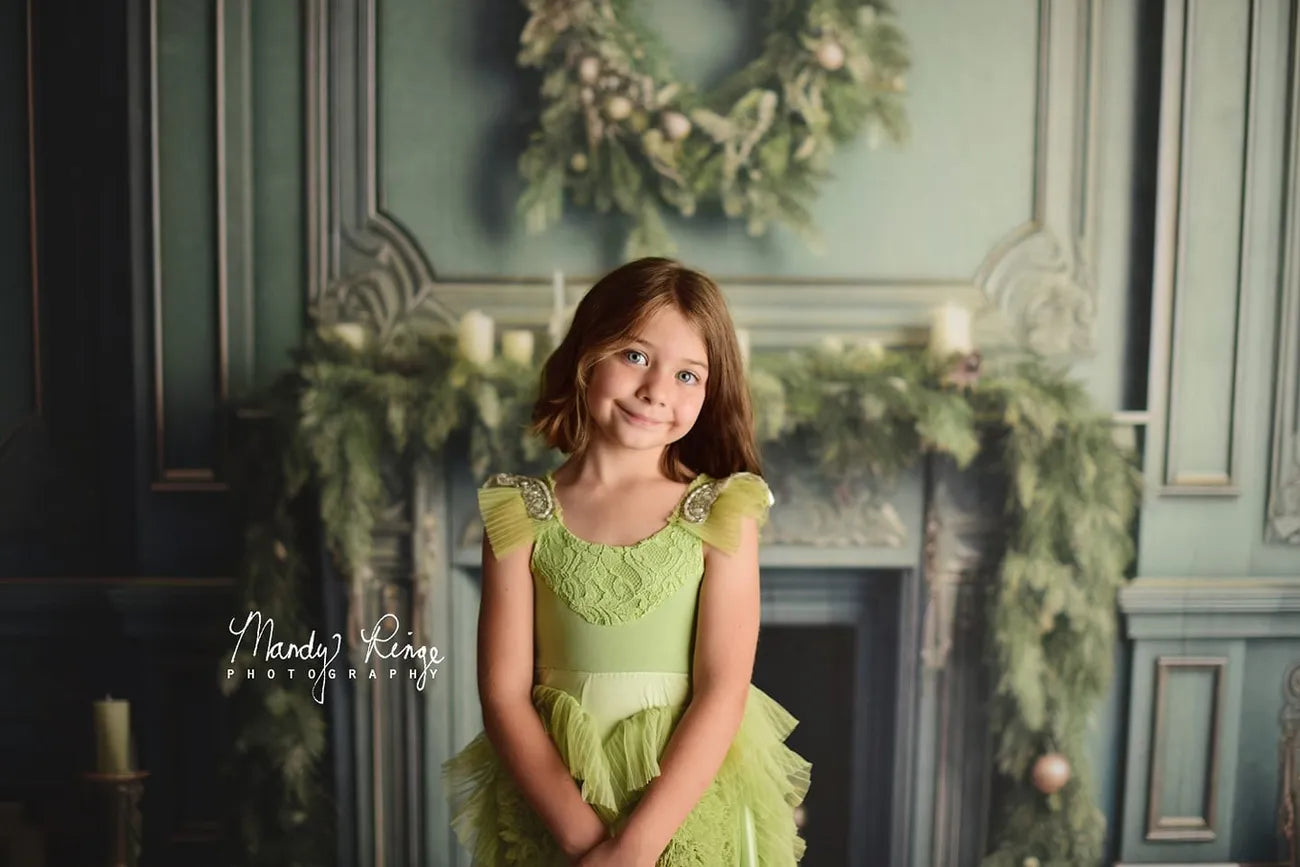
(629, 353)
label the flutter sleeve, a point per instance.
(738, 495)
(506, 519)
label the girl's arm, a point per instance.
(512, 724)
(725, 644)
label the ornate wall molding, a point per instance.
(362, 264)
(1283, 522)
(1035, 288)
(1040, 279)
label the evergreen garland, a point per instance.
(860, 410)
(617, 131)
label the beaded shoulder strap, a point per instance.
(713, 510)
(536, 494)
(509, 503)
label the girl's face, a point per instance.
(650, 391)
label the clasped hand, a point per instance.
(615, 853)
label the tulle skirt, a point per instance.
(610, 730)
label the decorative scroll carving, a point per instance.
(1289, 762)
(1040, 279)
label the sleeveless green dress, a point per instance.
(614, 638)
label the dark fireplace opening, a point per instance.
(838, 677)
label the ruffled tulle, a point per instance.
(760, 776)
(505, 518)
(741, 495)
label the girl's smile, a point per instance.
(638, 419)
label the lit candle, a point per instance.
(518, 346)
(112, 736)
(742, 339)
(950, 330)
(475, 335)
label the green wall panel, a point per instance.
(1182, 747)
(1203, 394)
(17, 368)
(278, 188)
(1255, 826)
(186, 231)
(1185, 738)
(452, 120)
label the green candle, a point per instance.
(112, 735)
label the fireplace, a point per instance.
(828, 651)
(871, 636)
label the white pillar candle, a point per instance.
(557, 291)
(950, 330)
(518, 346)
(476, 336)
(742, 340)
(556, 327)
(112, 736)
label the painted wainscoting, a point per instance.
(1214, 614)
(1208, 688)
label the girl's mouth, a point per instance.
(638, 419)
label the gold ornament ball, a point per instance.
(589, 69)
(1031, 861)
(1050, 773)
(830, 55)
(618, 107)
(675, 125)
(578, 162)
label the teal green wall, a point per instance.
(453, 110)
(1213, 581)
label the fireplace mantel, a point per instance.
(925, 595)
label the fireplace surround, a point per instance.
(877, 649)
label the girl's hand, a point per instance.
(615, 853)
(588, 839)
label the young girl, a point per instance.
(620, 608)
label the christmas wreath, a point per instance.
(618, 131)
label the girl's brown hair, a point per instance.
(722, 440)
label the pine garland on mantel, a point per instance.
(863, 411)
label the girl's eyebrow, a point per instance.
(645, 342)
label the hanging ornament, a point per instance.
(589, 69)
(675, 125)
(1050, 773)
(830, 55)
(618, 107)
(578, 162)
(1030, 861)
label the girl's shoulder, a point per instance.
(510, 504)
(713, 508)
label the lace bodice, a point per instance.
(615, 584)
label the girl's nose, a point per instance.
(654, 386)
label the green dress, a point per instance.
(613, 638)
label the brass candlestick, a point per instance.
(120, 795)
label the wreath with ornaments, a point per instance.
(617, 131)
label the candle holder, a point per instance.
(121, 825)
